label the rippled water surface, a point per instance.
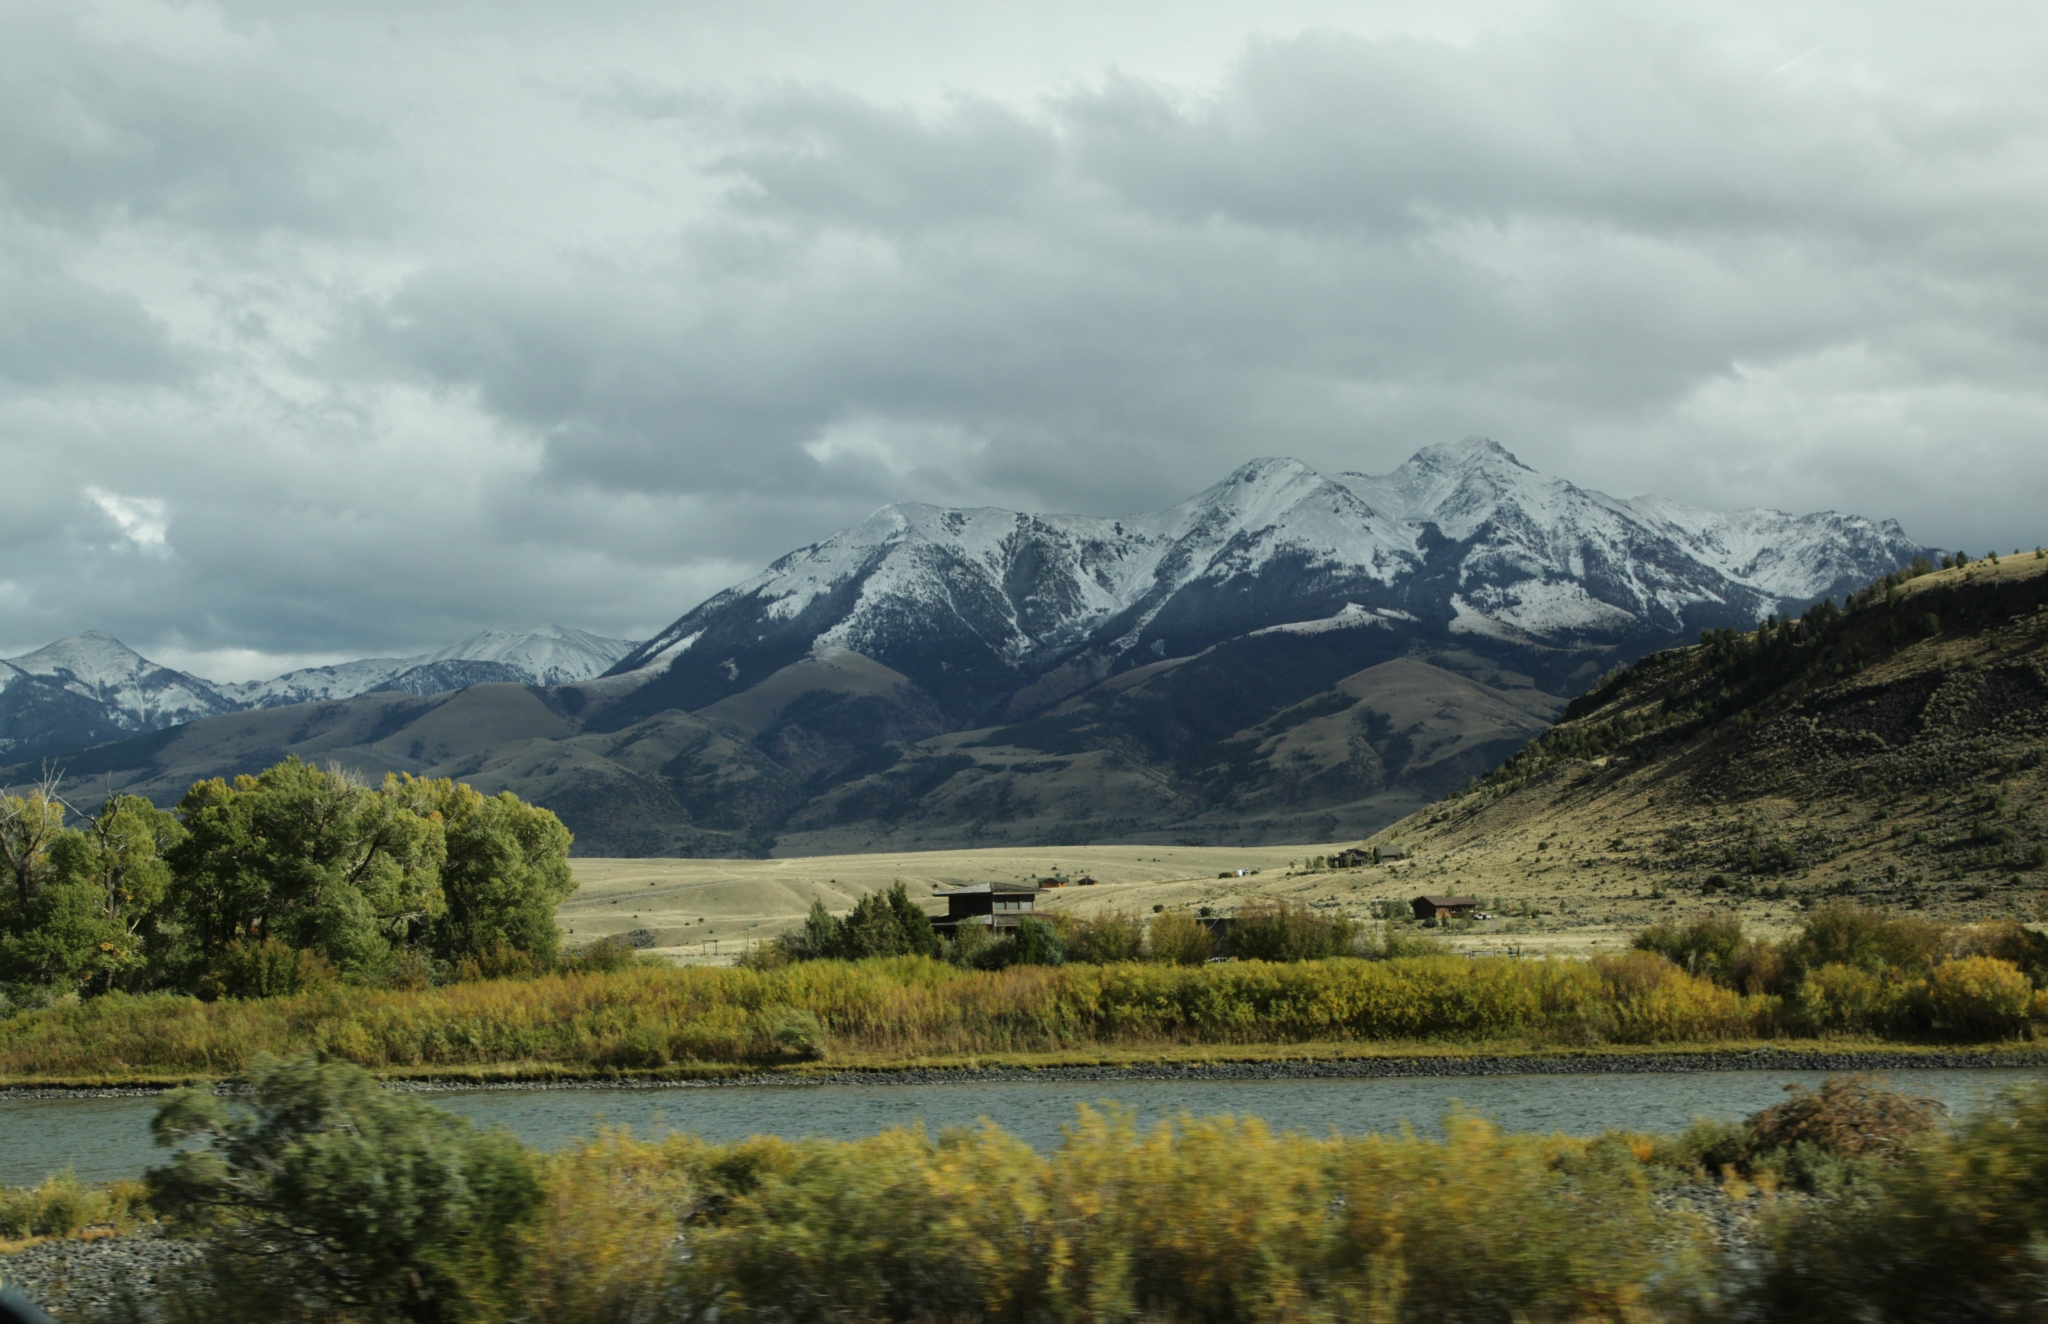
(109, 1138)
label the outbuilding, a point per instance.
(992, 905)
(1381, 854)
(1444, 907)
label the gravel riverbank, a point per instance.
(91, 1273)
(1768, 1059)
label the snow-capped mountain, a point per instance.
(546, 655)
(1461, 539)
(92, 688)
(1285, 656)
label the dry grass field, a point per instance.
(709, 911)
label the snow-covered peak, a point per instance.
(548, 654)
(544, 655)
(91, 658)
(1459, 532)
(1471, 453)
(129, 692)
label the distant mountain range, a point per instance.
(92, 688)
(1286, 655)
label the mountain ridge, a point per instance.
(1285, 656)
(1459, 531)
(90, 687)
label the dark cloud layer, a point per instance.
(402, 326)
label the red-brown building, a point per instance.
(1444, 907)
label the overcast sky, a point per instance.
(335, 329)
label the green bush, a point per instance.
(1204, 1220)
(1103, 939)
(319, 1191)
(884, 923)
(1176, 937)
(62, 1206)
(1037, 943)
(1278, 931)
(1953, 1231)
(266, 969)
(1704, 945)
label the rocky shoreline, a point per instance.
(1344, 1068)
(91, 1273)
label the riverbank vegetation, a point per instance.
(889, 923)
(1696, 987)
(315, 1195)
(274, 884)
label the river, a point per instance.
(108, 1138)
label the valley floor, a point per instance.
(698, 911)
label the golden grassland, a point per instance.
(708, 911)
(905, 1011)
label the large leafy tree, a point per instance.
(90, 922)
(506, 870)
(308, 857)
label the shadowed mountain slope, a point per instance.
(1896, 753)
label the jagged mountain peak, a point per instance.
(1462, 536)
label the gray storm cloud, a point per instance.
(413, 324)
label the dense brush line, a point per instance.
(318, 1196)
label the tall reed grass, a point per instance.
(641, 1019)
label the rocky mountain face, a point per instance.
(92, 688)
(1286, 656)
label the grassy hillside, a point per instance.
(1895, 754)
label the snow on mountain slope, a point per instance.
(343, 680)
(92, 688)
(545, 655)
(101, 668)
(1462, 532)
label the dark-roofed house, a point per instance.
(993, 905)
(1444, 907)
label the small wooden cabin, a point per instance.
(1444, 907)
(1381, 854)
(993, 905)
